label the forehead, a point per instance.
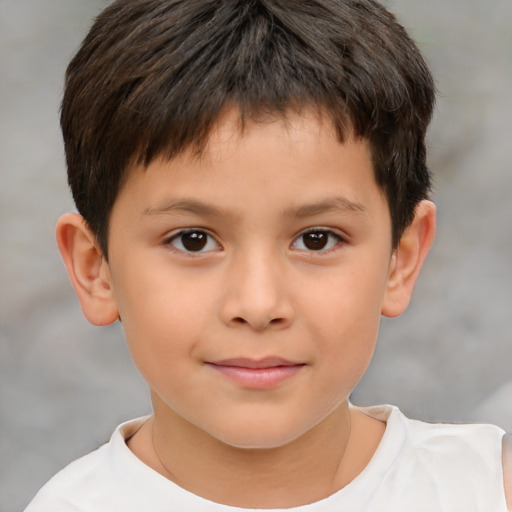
(235, 122)
(235, 126)
(262, 132)
(295, 160)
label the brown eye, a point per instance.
(319, 240)
(315, 241)
(193, 241)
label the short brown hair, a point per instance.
(152, 77)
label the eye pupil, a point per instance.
(315, 241)
(194, 241)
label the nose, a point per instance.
(256, 293)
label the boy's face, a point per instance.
(251, 281)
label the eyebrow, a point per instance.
(329, 205)
(190, 206)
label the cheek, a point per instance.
(346, 300)
(162, 323)
(346, 318)
(345, 354)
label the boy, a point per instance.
(253, 195)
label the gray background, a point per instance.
(64, 385)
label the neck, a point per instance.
(300, 472)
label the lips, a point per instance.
(264, 373)
(267, 362)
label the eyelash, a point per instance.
(177, 236)
(338, 239)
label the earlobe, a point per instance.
(87, 268)
(408, 259)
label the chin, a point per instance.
(258, 436)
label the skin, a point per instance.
(256, 290)
(507, 468)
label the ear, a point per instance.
(87, 268)
(408, 259)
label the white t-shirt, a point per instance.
(417, 467)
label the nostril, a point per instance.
(275, 321)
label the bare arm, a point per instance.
(507, 468)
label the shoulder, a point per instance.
(458, 436)
(507, 468)
(91, 479)
(477, 445)
(449, 456)
(65, 489)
